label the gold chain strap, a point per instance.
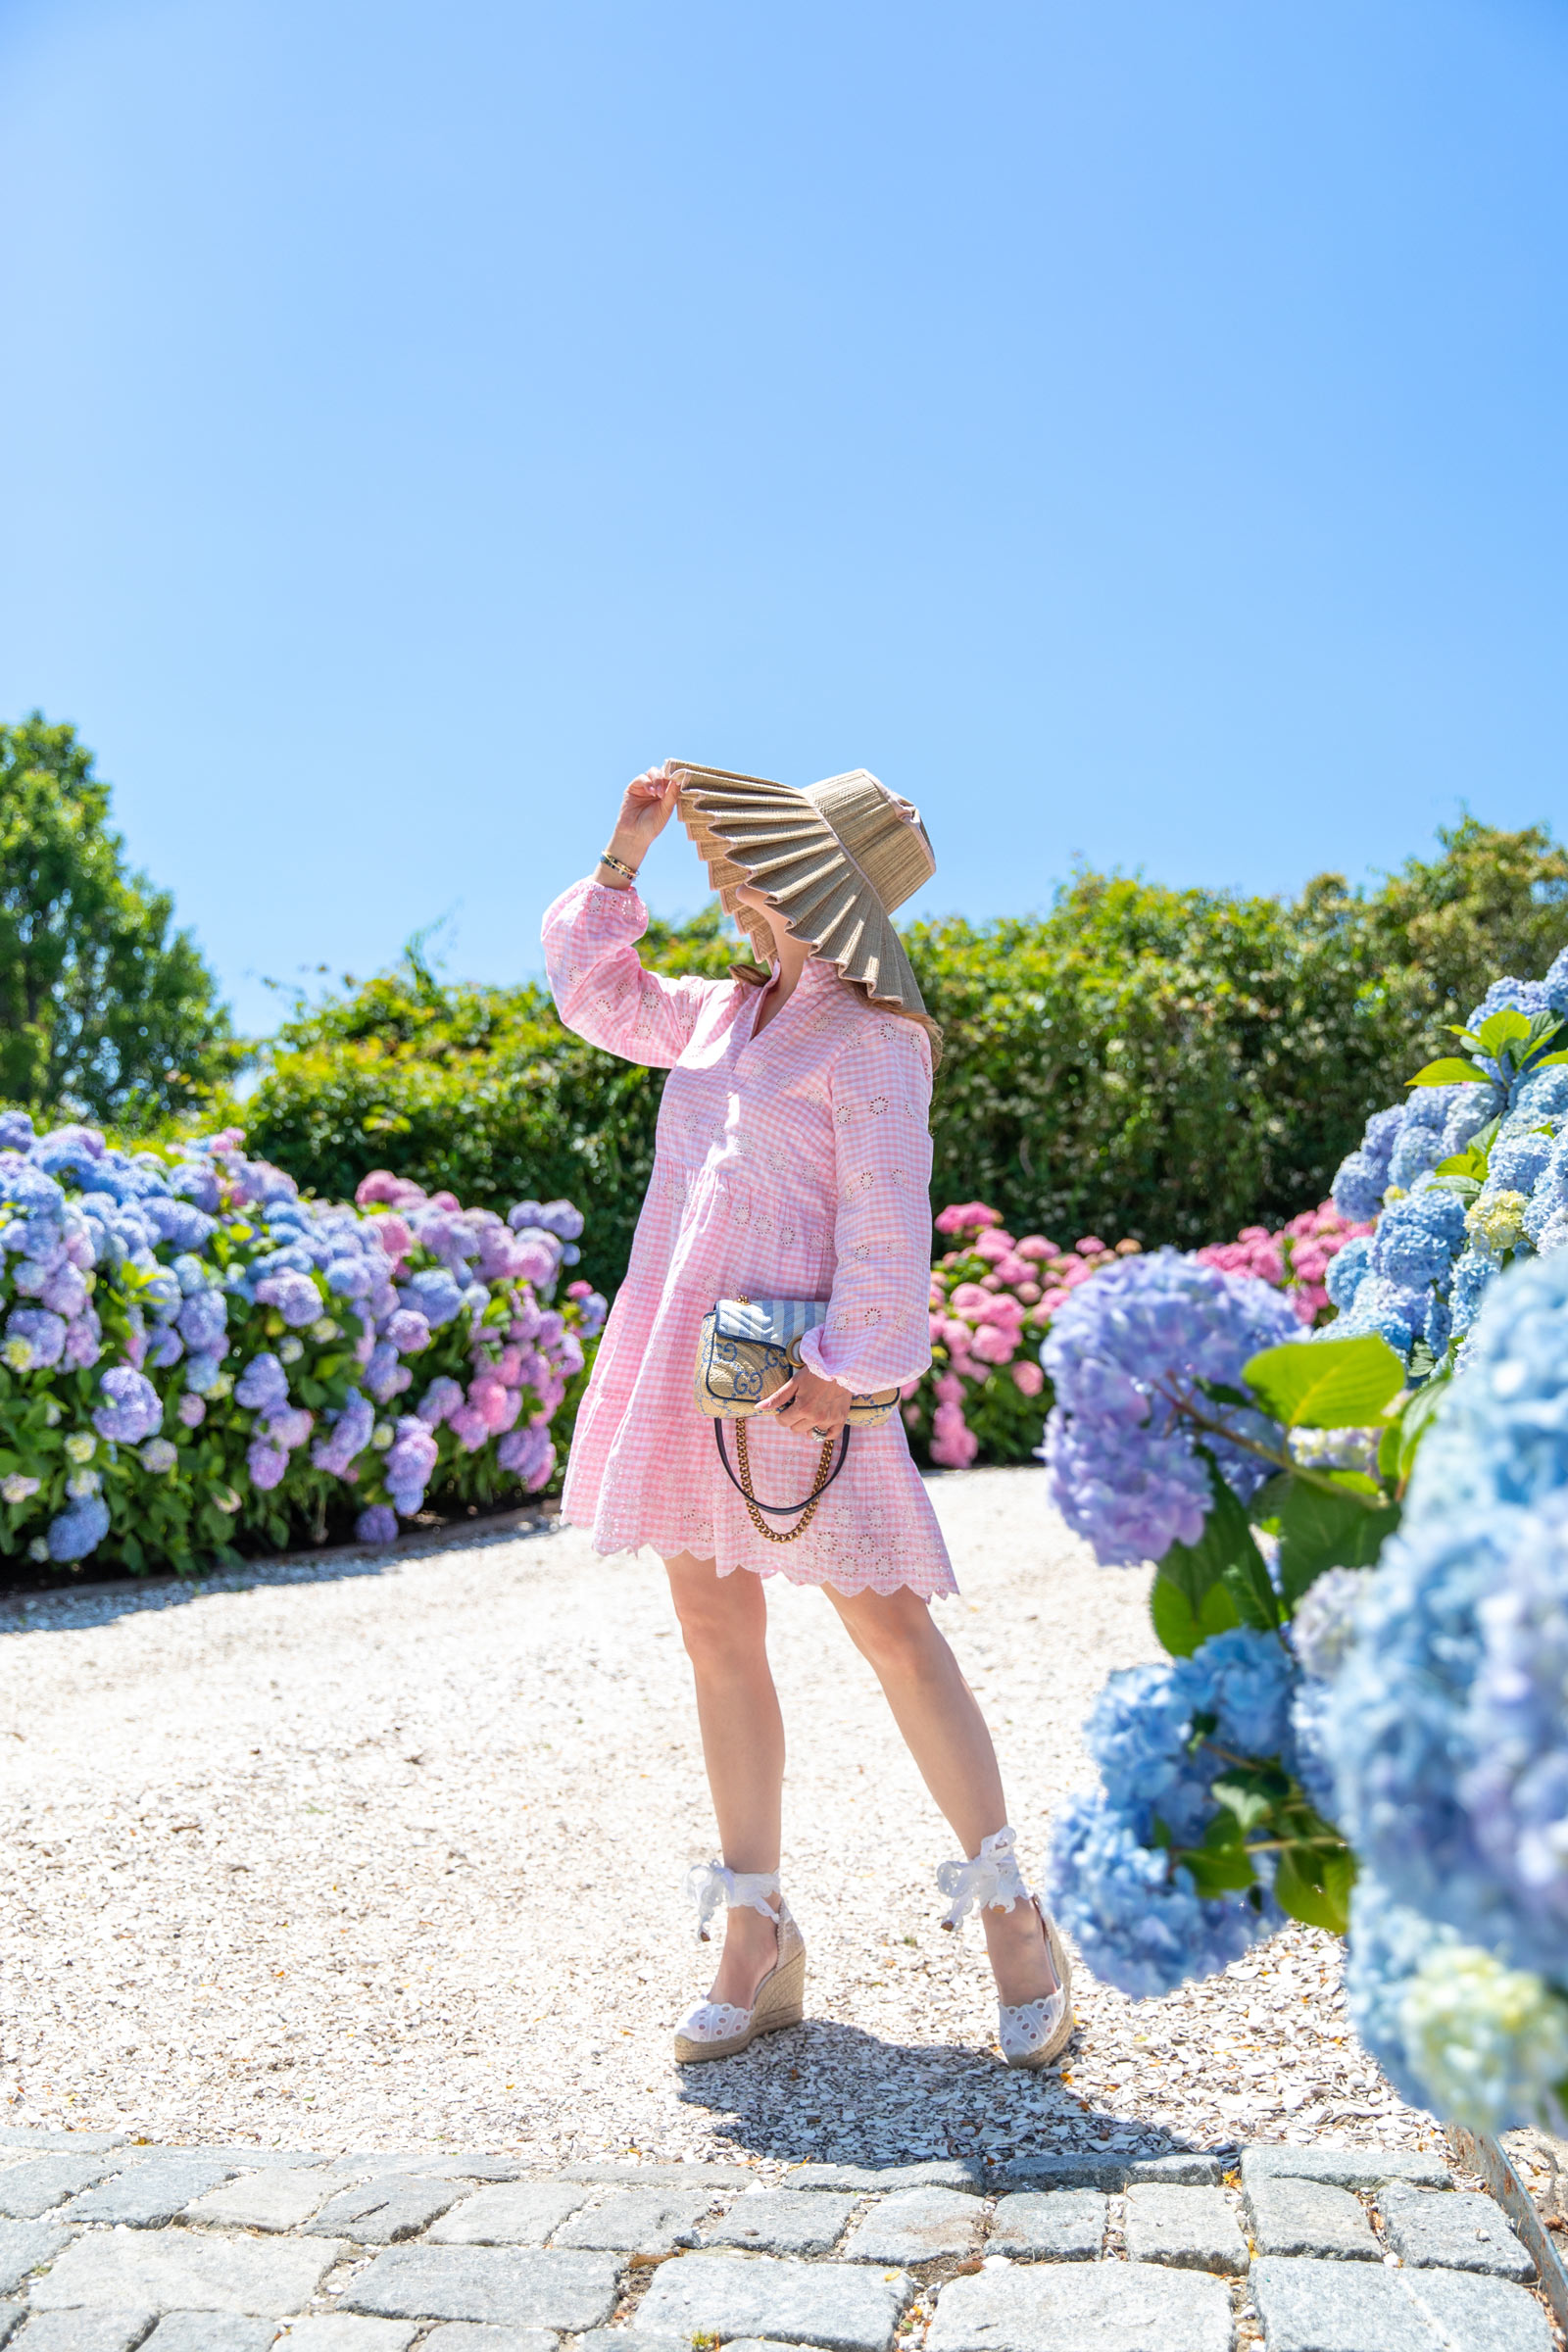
(808, 1509)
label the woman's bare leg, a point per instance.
(946, 1734)
(723, 1623)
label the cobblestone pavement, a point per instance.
(107, 2247)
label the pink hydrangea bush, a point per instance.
(1296, 1260)
(992, 1298)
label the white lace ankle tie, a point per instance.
(711, 1887)
(992, 1881)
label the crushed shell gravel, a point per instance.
(382, 1855)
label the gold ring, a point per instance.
(818, 1433)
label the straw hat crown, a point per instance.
(836, 859)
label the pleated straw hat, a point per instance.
(836, 859)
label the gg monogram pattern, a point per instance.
(794, 1165)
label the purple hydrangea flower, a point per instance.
(376, 1525)
(295, 1297)
(290, 1429)
(38, 1332)
(263, 1385)
(265, 1462)
(434, 1294)
(409, 1464)
(191, 1410)
(157, 1455)
(348, 1436)
(1122, 1352)
(16, 1129)
(79, 1529)
(384, 1377)
(408, 1331)
(131, 1411)
(440, 1401)
(528, 1456)
(164, 1347)
(203, 1321)
(83, 1342)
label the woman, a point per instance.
(793, 1162)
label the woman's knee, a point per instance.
(724, 1621)
(895, 1634)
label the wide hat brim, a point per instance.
(749, 829)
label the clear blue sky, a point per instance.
(1134, 430)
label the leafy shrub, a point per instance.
(1139, 1060)
(192, 1355)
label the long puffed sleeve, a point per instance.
(877, 1332)
(599, 984)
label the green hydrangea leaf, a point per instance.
(1501, 1028)
(1313, 1886)
(1178, 1627)
(1326, 1384)
(1323, 1528)
(1448, 1071)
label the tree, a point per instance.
(105, 1010)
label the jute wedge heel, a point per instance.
(1032, 2034)
(719, 2029)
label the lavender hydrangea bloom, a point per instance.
(384, 1375)
(1137, 1733)
(440, 1401)
(1347, 1271)
(265, 1462)
(163, 1348)
(159, 1456)
(376, 1525)
(409, 1463)
(79, 1529)
(1124, 1468)
(131, 1411)
(1389, 1941)
(290, 1429)
(83, 1342)
(1516, 1791)
(16, 1129)
(197, 1181)
(408, 1331)
(1139, 1925)
(433, 1293)
(203, 1322)
(66, 1291)
(263, 1385)
(348, 1436)
(295, 1297)
(528, 1455)
(191, 1410)
(203, 1373)
(180, 1222)
(36, 1331)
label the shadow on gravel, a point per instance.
(60, 1606)
(834, 2094)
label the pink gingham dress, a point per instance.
(793, 1165)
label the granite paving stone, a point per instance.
(1192, 2228)
(1050, 2224)
(658, 2175)
(762, 2343)
(149, 2195)
(23, 2245)
(186, 2270)
(841, 2306)
(11, 2317)
(342, 2331)
(380, 2212)
(83, 2332)
(1309, 2306)
(1456, 2232)
(557, 2290)
(368, 2166)
(639, 2220)
(280, 2200)
(784, 2220)
(474, 2335)
(1181, 2167)
(1342, 2168)
(79, 2143)
(513, 2213)
(209, 2331)
(1309, 2218)
(1477, 2314)
(967, 2173)
(33, 2187)
(1111, 2306)
(918, 2224)
(621, 2340)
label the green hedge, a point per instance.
(1166, 1064)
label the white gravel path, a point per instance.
(390, 1858)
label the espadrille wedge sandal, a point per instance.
(1031, 2033)
(718, 2029)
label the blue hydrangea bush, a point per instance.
(1361, 1540)
(192, 1356)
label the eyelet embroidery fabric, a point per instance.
(779, 1171)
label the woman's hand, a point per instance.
(809, 1405)
(646, 808)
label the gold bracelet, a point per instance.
(616, 867)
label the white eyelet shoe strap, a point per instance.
(711, 1887)
(992, 1881)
